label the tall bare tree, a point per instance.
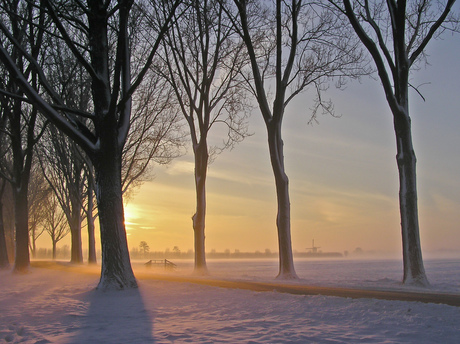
(94, 32)
(22, 117)
(204, 58)
(396, 34)
(292, 45)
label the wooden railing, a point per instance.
(168, 265)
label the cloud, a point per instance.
(180, 168)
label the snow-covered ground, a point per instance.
(54, 306)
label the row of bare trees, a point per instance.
(72, 63)
(112, 79)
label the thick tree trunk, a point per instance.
(283, 218)
(414, 271)
(4, 262)
(22, 259)
(116, 271)
(199, 219)
(90, 222)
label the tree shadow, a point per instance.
(114, 317)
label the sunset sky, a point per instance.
(343, 175)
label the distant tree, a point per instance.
(176, 251)
(90, 212)
(37, 203)
(144, 247)
(55, 221)
(291, 45)
(396, 34)
(204, 58)
(62, 161)
(63, 167)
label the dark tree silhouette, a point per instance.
(25, 30)
(94, 32)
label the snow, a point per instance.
(62, 306)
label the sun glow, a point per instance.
(131, 216)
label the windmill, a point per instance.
(313, 248)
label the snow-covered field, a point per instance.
(54, 306)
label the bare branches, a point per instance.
(203, 60)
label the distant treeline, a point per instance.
(227, 254)
(61, 253)
(64, 253)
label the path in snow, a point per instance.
(282, 286)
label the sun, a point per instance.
(131, 216)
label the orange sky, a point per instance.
(343, 176)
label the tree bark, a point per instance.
(283, 218)
(22, 259)
(54, 248)
(90, 222)
(199, 219)
(116, 271)
(33, 245)
(4, 262)
(414, 271)
(76, 255)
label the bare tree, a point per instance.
(396, 34)
(156, 134)
(63, 167)
(55, 222)
(204, 58)
(21, 116)
(94, 32)
(37, 196)
(144, 247)
(298, 45)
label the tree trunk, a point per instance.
(54, 249)
(33, 246)
(76, 255)
(414, 271)
(199, 219)
(22, 259)
(4, 262)
(283, 218)
(90, 223)
(116, 271)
